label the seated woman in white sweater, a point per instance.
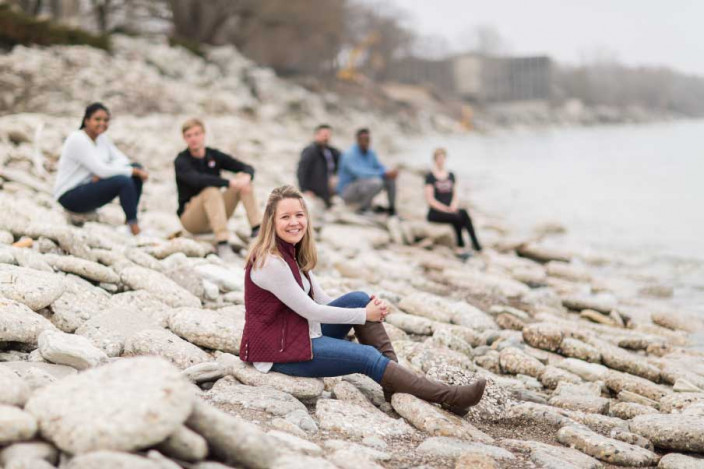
(92, 171)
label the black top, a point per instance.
(315, 169)
(195, 174)
(443, 189)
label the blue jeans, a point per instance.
(335, 356)
(93, 195)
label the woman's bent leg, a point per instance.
(337, 357)
(88, 197)
(356, 299)
(467, 222)
(454, 219)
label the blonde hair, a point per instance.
(438, 152)
(190, 123)
(265, 244)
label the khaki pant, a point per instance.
(209, 211)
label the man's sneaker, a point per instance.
(255, 231)
(225, 252)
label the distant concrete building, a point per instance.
(480, 78)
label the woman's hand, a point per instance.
(376, 309)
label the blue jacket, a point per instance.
(357, 165)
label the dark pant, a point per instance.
(93, 195)
(458, 220)
(335, 356)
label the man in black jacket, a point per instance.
(317, 168)
(203, 205)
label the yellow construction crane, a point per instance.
(349, 72)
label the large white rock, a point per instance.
(15, 425)
(166, 344)
(232, 439)
(228, 391)
(33, 288)
(124, 406)
(84, 268)
(159, 285)
(18, 323)
(218, 330)
(435, 422)
(112, 460)
(110, 329)
(305, 389)
(354, 421)
(80, 302)
(69, 349)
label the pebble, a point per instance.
(583, 369)
(628, 410)
(574, 348)
(514, 361)
(543, 336)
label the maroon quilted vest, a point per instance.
(272, 331)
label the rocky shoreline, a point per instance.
(120, 352)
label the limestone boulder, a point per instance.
(124, 406)
(33, 288)
(18, 323)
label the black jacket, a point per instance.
(195, 174)
(313, 171)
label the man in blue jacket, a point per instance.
(362, 176)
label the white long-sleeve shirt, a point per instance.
(82, 158)
(276, 276)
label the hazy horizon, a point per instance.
(637, 33)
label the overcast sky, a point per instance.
(639, 32)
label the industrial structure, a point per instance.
(480, 78)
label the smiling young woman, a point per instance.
(293, 327)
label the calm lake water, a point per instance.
(636, 192)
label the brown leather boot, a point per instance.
(374, 334)
(456, 399)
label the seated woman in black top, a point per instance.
(441, 195)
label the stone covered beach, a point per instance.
(120, 352)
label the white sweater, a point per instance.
(82, 158)
(276, 276)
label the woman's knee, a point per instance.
(358, 298)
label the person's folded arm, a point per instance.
(234, 165)
(195, 179)
(83, 153)
(276, 276)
